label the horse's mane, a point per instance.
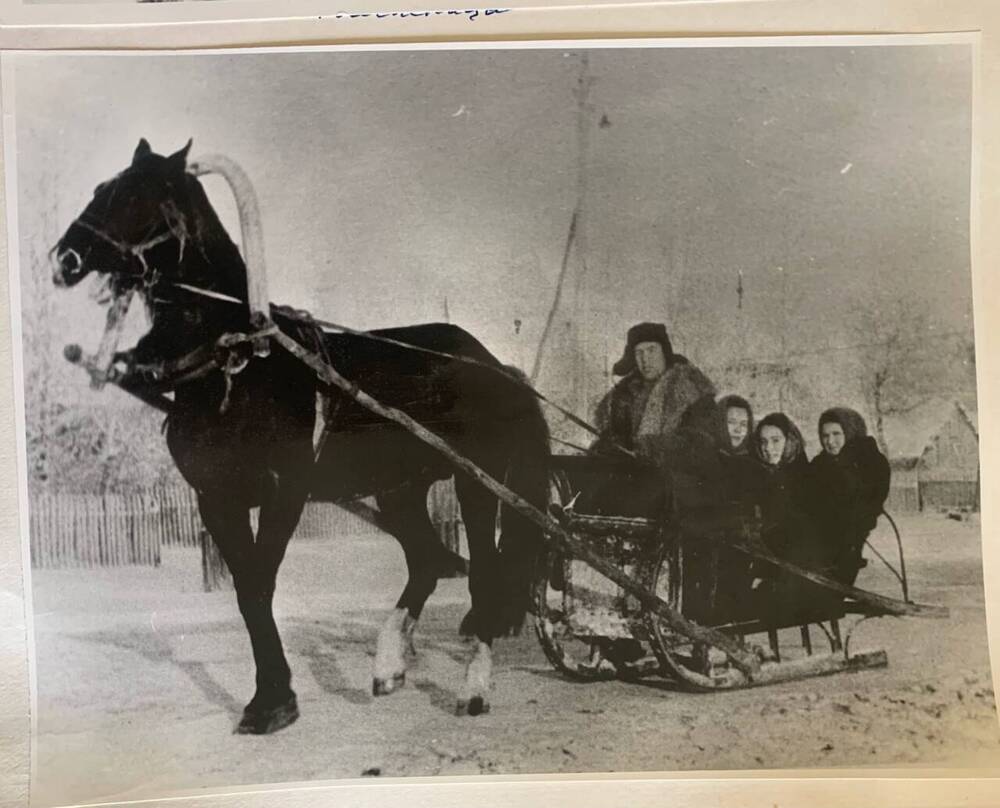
(226, 269)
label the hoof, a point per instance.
(385, 687)
(477, 705)
(258, 721)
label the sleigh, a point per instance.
(592, 629)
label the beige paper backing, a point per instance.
(886, 788)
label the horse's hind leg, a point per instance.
(403, 513)
(254, 567)
(479, 514)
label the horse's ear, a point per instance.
(178, 159)
(142, 150)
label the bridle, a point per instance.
(135, 254)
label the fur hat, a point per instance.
(643, 332)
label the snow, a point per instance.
(141, 677)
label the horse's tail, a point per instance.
(521, 539)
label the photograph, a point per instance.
(501, 409)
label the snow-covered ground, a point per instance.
(141, 677)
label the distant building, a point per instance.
(934, 454)
(771, 386)
(767, 385)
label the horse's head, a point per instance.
(132, 218)
(151, 229)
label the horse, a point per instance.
(245, 440)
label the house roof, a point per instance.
(908, 435)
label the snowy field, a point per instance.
(142, 676)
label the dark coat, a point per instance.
(850, 490)
(789, 530)
(713, 491)
(712, 479)
(740, 475)
(785, 494)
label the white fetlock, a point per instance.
(390, 662)
(478, 680)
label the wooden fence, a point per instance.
(86, 530)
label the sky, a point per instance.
(396, 186)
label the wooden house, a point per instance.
(934, 453)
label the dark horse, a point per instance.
(246, 440)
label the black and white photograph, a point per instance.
(434, 411)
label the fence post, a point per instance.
(214, 572)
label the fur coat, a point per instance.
(641, 417)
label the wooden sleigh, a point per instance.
(591, 629)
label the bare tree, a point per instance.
(74, 440)
(906, 358)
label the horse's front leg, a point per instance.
(254, 567)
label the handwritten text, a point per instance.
(469, 13)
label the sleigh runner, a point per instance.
(604, 583)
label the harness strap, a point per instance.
(167, 375)
(327, 325)
(503, 371)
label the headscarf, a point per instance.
(721, 428)
(849, 420)
(794, 445)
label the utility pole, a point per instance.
(783, 366)
(576, 310)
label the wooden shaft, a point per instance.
(886, 604)
(156, 400)
(105, 357)
(564, 540)
(613, 526)
(75, 355)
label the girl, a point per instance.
(851, 482)
(712, 492)
(740, 491)
(788, 529)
